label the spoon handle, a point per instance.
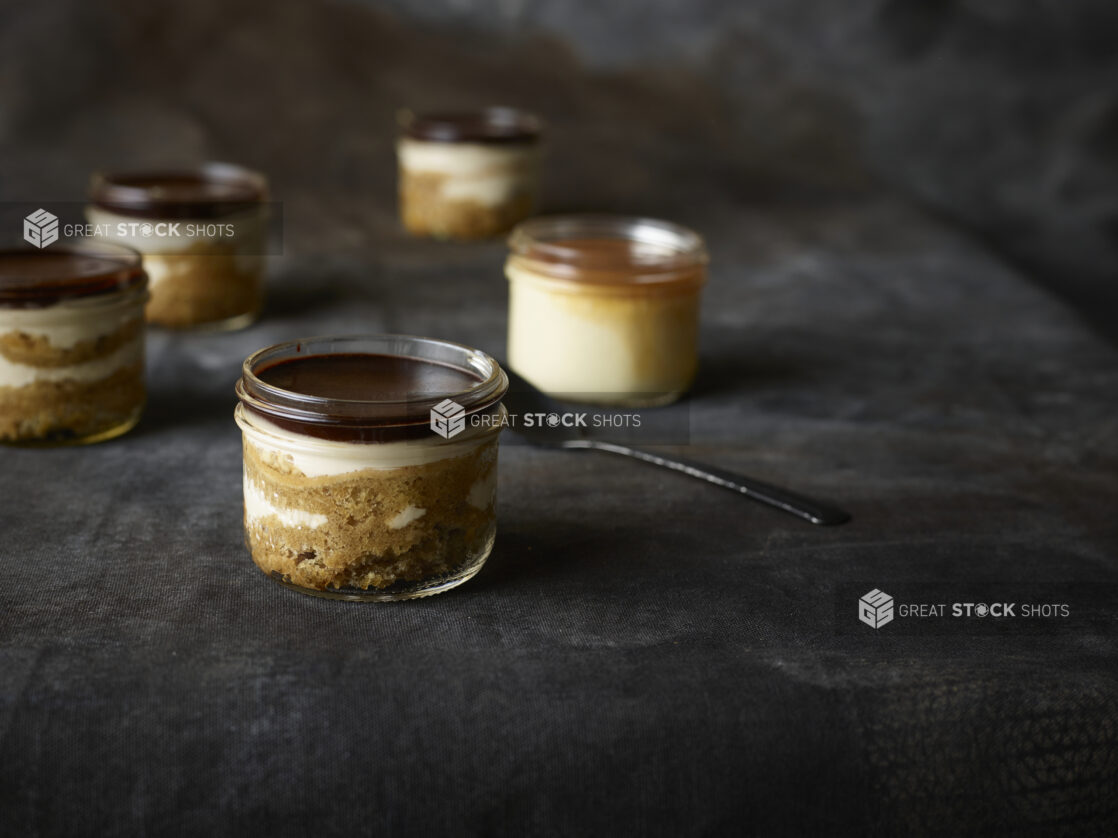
(795, 504)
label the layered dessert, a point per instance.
(71, 343)
(468, 175)
(605, 310)
(348, 490)
(203, 235)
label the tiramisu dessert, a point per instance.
(71, 343)
(467, 175)
(370, 464)
(604, 309)
(203, 234)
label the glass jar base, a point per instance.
(621, 400)
(60, 441)
(400, 591)
(229, 324)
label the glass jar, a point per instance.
(605, 309)
(370, 464)
(71, 343)
(467, 175)
(203, 233)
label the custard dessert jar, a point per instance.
(467, 175)
(605, 309)
(71, 343)
(203, 234)
(370, 464)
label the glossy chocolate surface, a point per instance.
(492, 125)
(366, 377)
(209, 192)
(363, 397)
(40, 278)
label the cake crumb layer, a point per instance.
(371, 538)
(70, 410)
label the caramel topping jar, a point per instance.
(605, 309)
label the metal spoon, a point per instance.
(523, 398)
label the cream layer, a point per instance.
(66, 324)
(316, 457)
(247, 241)
(490, 174)
(20, 375)
(258, 506)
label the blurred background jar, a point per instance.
(202, 232)
(470, 175)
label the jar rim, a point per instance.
(96, 268)
(151, 193)
(402, 414)
(661, 252)
(494, 124)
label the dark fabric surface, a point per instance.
(999, 115)
(643, 654)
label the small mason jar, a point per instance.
(203, 234)
(604, 309)
(467, 175)
(370, 464)
(71, 343)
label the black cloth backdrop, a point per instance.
(643, 654)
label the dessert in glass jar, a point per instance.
(605, 309)
(370, 464)
(203, 234)
(467, 175)
(71, 343)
